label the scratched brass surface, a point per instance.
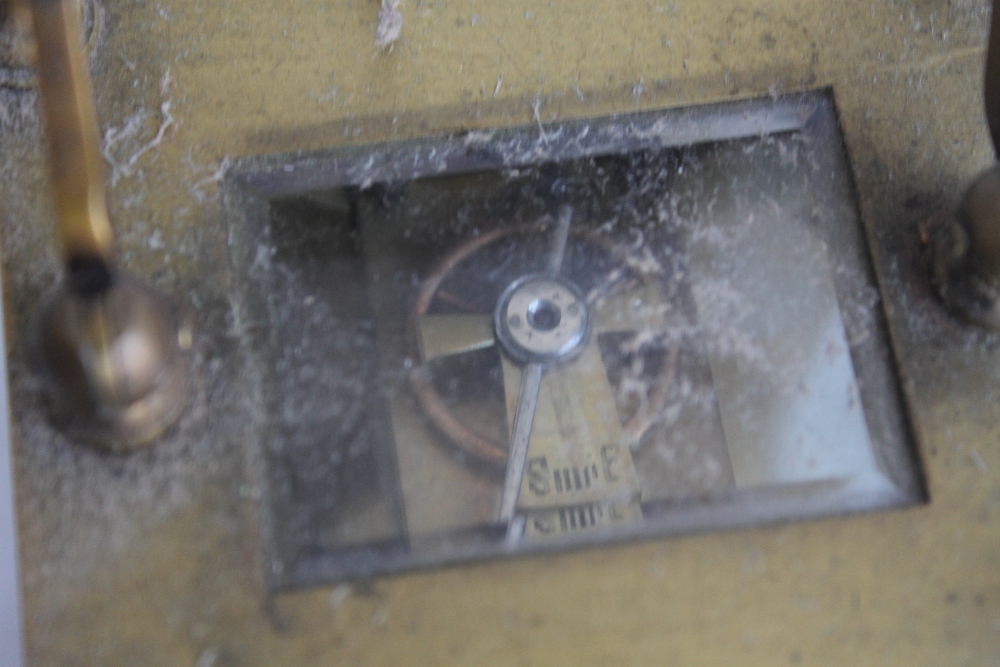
(153, 559)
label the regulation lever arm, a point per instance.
(75, 166)
(108, 347)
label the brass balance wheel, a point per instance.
(607, 289)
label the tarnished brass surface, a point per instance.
(154, 559)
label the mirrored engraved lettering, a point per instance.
(610, 455)
(538, 476)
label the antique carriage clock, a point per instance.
(451, 333)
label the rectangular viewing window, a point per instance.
(533, 338)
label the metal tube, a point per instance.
(527, 400)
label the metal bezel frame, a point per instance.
(253, 182)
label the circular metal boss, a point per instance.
(541, 319)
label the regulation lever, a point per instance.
(108, 347)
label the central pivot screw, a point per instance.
(543, 315)
(541, 319)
